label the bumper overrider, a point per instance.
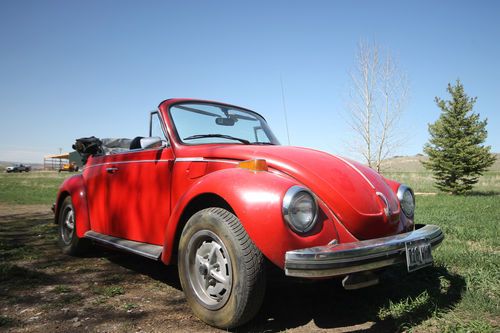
(346, 258)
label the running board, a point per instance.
(143, 249)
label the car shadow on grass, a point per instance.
(400, 301)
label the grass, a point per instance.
(109, 291)
(62, 289)
(129, 306)
(471, 249)
(470, 256)
(461, 293)
(36, 187)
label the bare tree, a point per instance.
(377, 98)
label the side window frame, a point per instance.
(156, 113)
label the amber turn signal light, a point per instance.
(254, 165)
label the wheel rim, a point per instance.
(67, 225)
(209, 269)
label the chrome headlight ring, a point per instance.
(300, 209)
(407, 200)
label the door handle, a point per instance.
(111, 170)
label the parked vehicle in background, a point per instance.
(18, 168)
(212, 190)
(70, 167)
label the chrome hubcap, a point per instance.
(68, 225)
(209, 266)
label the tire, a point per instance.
(68, 240)
(220, 269)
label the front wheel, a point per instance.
(69, 242)
(220, 269)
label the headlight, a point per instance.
(300, 209)
(407, 200)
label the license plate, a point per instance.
(418, 254)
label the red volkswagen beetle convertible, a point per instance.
(211, 190)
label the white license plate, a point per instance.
(418, 254)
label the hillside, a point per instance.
(413, 164)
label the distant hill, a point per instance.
(413, 164)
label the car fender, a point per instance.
(256, 199)
(75, 188)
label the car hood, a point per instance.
(352, 191)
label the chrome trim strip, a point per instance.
(355, 169)
(346, 258)
(387, 207)
(180, 159)
(189, 159)
(126, 162)
(202, 159)
(150, 251)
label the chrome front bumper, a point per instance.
(367, 255)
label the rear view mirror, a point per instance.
(225, 121)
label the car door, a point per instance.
(95, 178)
(138, 194)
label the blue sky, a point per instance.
(79, 68)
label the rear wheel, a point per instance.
(68, 240)
(220, 269)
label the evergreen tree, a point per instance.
(457, 156)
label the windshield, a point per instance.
(198, 123)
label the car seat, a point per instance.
(136, 142)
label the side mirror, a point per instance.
(151, 142)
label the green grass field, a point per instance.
(461, 293)
(37, 187)
(470, 256)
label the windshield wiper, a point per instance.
(201, 136)
(263, 143)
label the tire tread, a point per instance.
(253, 261)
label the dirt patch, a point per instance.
(42, 290)
(45, 291)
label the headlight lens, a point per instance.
(300, 209)
(407, 200)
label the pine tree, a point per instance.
(457, 156)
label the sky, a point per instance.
(71, 69)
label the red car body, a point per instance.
(147, 196)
